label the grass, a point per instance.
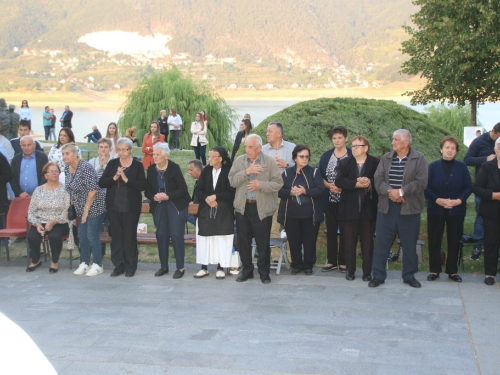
(149, 254)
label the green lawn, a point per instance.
(149, 254)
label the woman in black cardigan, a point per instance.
(169, 196)
(246, 127)
(358, 205)
(487, 187)
(124, 180)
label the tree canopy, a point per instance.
(169, 89)
(455, 46)
(308, 123)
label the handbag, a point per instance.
(71, 212)
(202, 139)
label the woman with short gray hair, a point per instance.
(124, 180)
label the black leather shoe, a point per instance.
(53, 270)
(489, 280)
(350, 276)
(329, 268)
(116, 273)
(31, 269)
(367, 277)
(432, 277)
(161, 272)
(296, 271)
(375, 283)
(129, 274)
(343, 270)
(265, 279)
(308, 271)
(414, 283)
(243, 277)
(178, 274)
(455, 278)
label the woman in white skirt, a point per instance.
(215, 224)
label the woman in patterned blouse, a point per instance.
(55, 154)
(47, 214)
(88, 199)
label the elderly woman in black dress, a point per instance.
(215, 224)
(358, 205)
(169, 195)
(124, 180)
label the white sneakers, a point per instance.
(83, 268)
(220, 275)
(95, 270)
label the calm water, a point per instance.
(85, 118)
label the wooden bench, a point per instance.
(150, 238)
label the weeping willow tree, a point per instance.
(170, 89)
(453, 117)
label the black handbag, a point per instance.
(71, 212)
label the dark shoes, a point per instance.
(375, 283)
(342, 269)
(489, 280)
(308, 271)
(414, 283)
(367, 277)
(296, 271)
(53, 270)
(432, 276)
(31, 269)
(243, 277)
(329, 268)
(265, 279)
(476, 253)
(129, 274)
(178, 274)
(350, 276)
(161, 272)
(455, 278)
(116, 273)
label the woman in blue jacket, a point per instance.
(301, 209)
(448, 188)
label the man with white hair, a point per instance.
(257, 180)
(27, 168)
(400, 181)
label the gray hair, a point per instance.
(405, 134)
(127, 141)
(164, 147)
(105, 140)
(257, 138)
(73, 148)
(27, 137)
(197, 163)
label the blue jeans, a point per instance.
(478, 223)
(199, 152)
(89, 234)
(52, 135)
(91, 138)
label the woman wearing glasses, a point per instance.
(215, 224)
(358, 205)
(301, 209)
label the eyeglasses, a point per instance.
(53, 172)
(357, 146)
(303, 156)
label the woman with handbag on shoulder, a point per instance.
(199, 140)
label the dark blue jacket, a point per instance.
(323, 164)
(480, 148)
(458, 186)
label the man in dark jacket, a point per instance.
(480, 151)
(27, 168)
(66, 118)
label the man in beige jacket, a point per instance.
(257, 180)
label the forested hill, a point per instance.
(303, 32)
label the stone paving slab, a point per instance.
(320, 324)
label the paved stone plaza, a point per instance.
(320, 324)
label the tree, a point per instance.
(454, 118)
(169, 89)
(455, 46)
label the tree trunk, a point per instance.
(473, 111)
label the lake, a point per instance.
(85, 118)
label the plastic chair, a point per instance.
(17, 223)
(279, 243)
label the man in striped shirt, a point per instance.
(400, 181)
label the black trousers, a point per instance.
(364, 230)
(249, 225)
(55, 241)
(124, 254)
(334, 256)
(454, 231)
(407, 227)
(302, 232)
(491, 245)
